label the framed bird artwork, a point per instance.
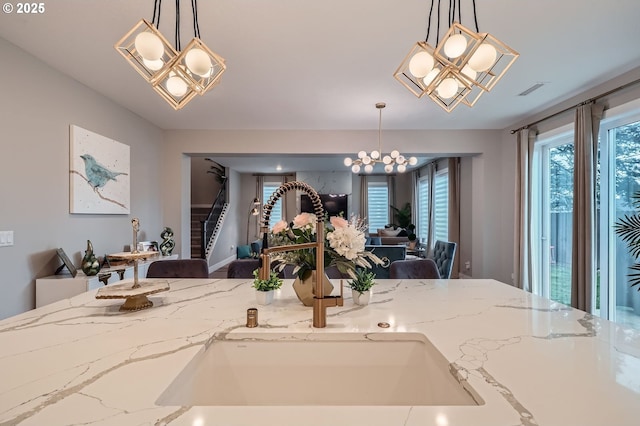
(99, 178)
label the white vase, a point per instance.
(264, 297)
(361, 298)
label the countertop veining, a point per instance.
(533, 361)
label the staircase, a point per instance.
(206, 224)
(198, 215)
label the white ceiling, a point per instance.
(294, 64)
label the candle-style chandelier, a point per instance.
(177, 75)
(462, 66)
(369, 160)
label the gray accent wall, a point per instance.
(38, 105)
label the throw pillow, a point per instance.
(244, 252)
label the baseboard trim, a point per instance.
(219, 265)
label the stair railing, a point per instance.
(212, 223)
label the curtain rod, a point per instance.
(274, 174)
(588, 101)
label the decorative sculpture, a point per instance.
(90, 263)
(167, 245)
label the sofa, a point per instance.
(378, 238)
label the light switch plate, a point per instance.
(6, 238)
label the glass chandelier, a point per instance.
(369, 160)
(461, 67)
(177, 75)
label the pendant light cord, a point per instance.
(157, 6)
(380, 133)
(196, 24)
(454, 8)
(178, 46)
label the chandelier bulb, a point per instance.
(420, 64)
(455, 46)
(413, 161)
(447, 88)
(400, 159)
(368, 168)
(430, 76)
(386, 159)
(198, 62)
(176, 86)
(469, 72)
(375, 155)
(355, 168)
(153, 65)
(366, 159)
(483, 58)
(362, 154)
(149, 46)
(402, 168)
(394, 153)
(388, 168)
(348, 162)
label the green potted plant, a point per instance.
(361, 286)
(265, 288)
(411, 236)
(628, 228)
(402, 217)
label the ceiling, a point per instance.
(295, 64)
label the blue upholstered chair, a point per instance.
(179, 268)
(443, 254)
(388, 253)
(414, 269)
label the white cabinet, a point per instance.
(57, 287)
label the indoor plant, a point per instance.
(343, 246)
(411, 236)
(402, 217)
(344, 249)
(265, 288)
(628, 228)
(361, 286)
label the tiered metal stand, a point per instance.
(135, 292)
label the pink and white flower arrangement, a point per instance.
(343, 246)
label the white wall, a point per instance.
(39, 104)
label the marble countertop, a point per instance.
(532, 361)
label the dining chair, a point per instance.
(414, 269)
(179, 268)
(443, 254)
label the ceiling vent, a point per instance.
(531, 89)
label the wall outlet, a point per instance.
(467, 265)
(232, 248)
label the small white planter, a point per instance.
(264, 297)
(361, 298)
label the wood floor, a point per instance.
(219, 273)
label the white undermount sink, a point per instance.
(318, 369)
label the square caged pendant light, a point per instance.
(463, 65)
(177, 75)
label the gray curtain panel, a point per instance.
(523, 252)
(586, 128)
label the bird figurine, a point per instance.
(97, 174)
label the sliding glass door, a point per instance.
(619, 179)
(555, 198)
